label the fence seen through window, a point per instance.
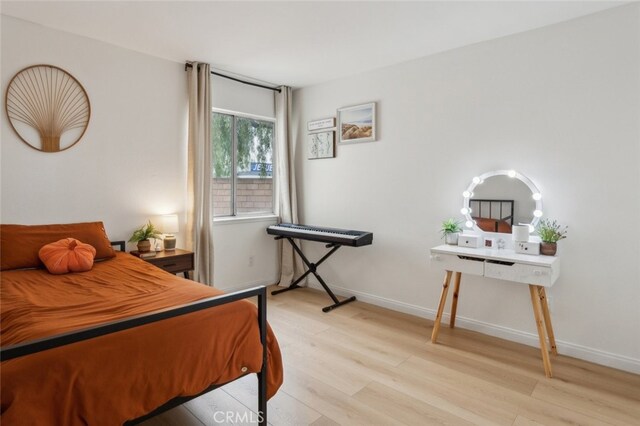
(242, 150)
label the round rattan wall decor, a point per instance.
(47, 108)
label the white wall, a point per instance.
(245, 255)
(128, 166)
(131, 163)
(559, 104)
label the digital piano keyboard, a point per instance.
(321, 234)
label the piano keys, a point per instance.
(322, 234)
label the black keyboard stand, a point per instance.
(312, 268)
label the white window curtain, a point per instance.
(290, 264)
(199, 210)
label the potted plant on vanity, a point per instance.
(450, 231)
(142, 235)
(550, 233)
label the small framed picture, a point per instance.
(321, 145)
(489, 242)
(357, 123)
(324, 123)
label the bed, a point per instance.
(492, 215)
(123, 342)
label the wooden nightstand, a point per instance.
(175, 261)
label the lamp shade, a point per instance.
(170, 223)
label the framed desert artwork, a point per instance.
(321, 145)
(357, 123)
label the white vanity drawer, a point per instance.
(528, 274)
(464, 264)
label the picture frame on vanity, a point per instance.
(357, 123)
(321, 145)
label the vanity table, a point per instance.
(538, 272)
(495, 201)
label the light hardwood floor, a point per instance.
(365, 365)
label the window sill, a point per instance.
(232, 220)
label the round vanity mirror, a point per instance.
(496, 201)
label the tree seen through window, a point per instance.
(252, 142)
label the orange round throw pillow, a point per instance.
(67, 255)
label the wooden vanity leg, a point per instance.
(443, 299)
(537, 313)
(454, 302)
(547, 319)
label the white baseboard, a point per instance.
(565, 348)
(245, 286)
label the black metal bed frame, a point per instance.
(508, 218)
(43, 344)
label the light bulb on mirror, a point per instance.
(467, 194)
(469, 224)
(511, 173)
(537, 213)
(476, 180)
(465, 210)
(537, 196)
(531, 228)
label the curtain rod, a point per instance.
(275, 89)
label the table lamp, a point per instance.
(169, 227)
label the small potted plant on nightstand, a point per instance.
(142, 235)
(550, 233)
(450, 231)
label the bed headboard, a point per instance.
(492, 215)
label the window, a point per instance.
(242, 148)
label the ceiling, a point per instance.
(297, 43)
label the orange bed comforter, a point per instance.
(121, 376)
